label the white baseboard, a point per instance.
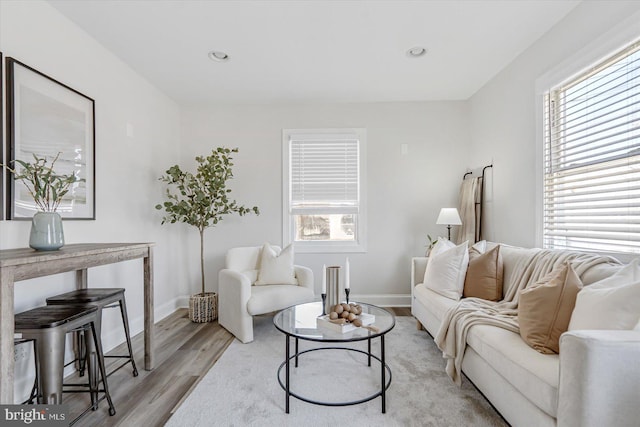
(382, 300)
(113, 339)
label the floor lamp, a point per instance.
(449, 217)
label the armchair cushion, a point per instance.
(276, 267)
(268, 298)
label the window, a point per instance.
(323, 188)
(591, 188)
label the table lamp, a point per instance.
(449, 217)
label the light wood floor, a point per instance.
(185, 352)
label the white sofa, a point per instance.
(595, 381)
(239, 299)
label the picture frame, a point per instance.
(2, 151)
(47, 118)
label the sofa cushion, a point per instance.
(276, 267)
(446, 271)
(611, 303)
(533, 374)
(512, 256)
(544, 309)
(269, 298)
(484, 275)
(434, 302)
(630, 273)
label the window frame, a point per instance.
(597, 52)
(359, 245)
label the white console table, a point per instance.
(25, 263)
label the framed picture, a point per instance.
(49, 119)
(2, 171)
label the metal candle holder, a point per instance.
(333, 288)
(324, 304)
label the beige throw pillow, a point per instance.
(544, 309)
(276, 268)
(484, 275)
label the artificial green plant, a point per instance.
(202, 199)
(47, 187)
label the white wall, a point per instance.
(503, 118)
(126, 168)
(404, 192)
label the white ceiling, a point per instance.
(316, 51)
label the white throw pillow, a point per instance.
(446, 271)
(614, 307)
(276, 269)
(441, 245)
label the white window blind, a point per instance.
(324, 174)
(592, 158)
(324, 187)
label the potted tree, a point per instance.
(202, 200)
(48, 189)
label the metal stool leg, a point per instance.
(81, 354)
(90, 362)
(35, 391)
(125, 322)
(51, 343)
(103, 372)
(90, 358)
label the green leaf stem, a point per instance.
(46, 187)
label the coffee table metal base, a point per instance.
(385, 374)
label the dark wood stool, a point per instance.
(49, 325)
(102, 298)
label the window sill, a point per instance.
(328, 248)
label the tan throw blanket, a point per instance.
(452, 335)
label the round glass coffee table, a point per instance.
(301, 323)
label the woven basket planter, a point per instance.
(203, 307)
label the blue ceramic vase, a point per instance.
(46, 231)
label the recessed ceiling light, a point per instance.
(216, 55)
(415, 52)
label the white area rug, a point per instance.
(242, 388)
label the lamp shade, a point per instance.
(449, 216)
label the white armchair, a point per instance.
(239, 299)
